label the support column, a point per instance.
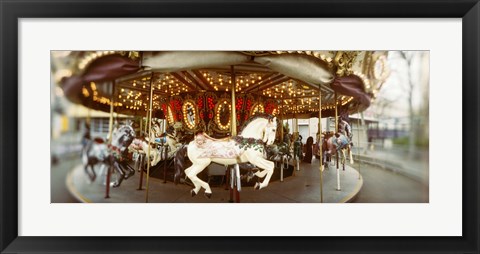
(281, 121)
(141, 125)
(146, 124)
(149, 124)
(233, 127)
(360, 123)
(88, 117)
(336, 113)
(320, 141)
(109, 141)
(297, 135)
(141, 158)
(110, 120)
(336, 152)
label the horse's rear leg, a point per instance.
(267, 167)
(350, 155)
(191, 173)
(92, 176)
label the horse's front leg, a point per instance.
(155, 158)
(192, 173)
(117, 167)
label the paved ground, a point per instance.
(59, 172)
(380, 185)
(385, 186)
(303, 187)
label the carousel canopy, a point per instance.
(290, 81)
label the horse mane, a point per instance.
(255, 117)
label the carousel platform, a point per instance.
(302, 187)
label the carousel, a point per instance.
(224, 111)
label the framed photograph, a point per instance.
(89, 88)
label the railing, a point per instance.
(386, 133)
(67, 145)
(397, 158)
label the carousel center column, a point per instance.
(234, 111)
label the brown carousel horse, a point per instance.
(336, 144)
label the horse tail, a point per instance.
(179, 163)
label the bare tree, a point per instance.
(408, 58)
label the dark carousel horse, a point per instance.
(168, 145)
(115, 154)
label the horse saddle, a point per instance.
(99, 140)
(216, 148)
(202, 138)
(214, 139)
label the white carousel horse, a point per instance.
(169, 137)
(249, 146)
(157, 154)
(97, 151)
(140, 147)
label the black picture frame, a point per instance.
(11, 11)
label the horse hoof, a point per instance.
(176, 179)
(192, 192)
(257, 186)
(208, 195)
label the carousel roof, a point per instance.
(291, 78)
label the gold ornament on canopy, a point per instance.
(223, 110)
(190, 114)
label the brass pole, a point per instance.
(110, 122)
(109, 141)
(146, 123)
(88, 116)
(297, 136)
(149, 120)
(141, 125)
(233, 127)
(360, 122)
(336, 114)
(320, 141)
(281, 121)
(336, 151)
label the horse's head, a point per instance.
(123, 136)
(270, 131)
(156, 128)
(171, 130)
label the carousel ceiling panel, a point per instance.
(168, 61)
(302, 67)
(293, 78)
